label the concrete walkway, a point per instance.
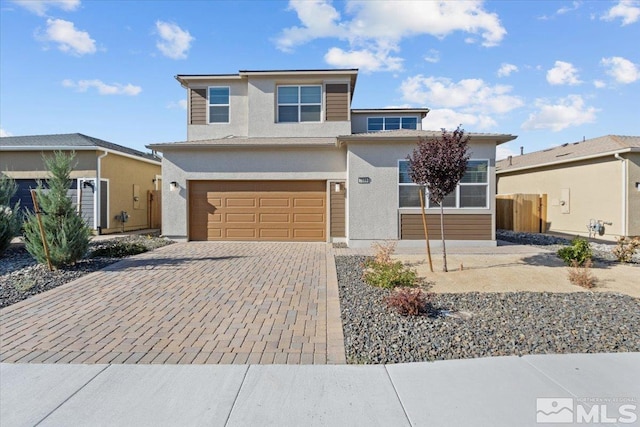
(499, 391)
(187, 303)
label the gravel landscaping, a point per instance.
(21, 277)
(469, 325)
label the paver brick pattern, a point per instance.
(203, 302)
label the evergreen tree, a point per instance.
(66, 232)
(9, 216)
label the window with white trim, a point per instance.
(375, 124)
(299, 103)
(471, 192)
(218, 104)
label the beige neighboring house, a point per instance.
(592, 186)
(281, 155)
(125, 176)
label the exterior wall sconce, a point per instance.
(337, 187)
(638, 186)
(173, 186)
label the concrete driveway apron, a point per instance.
(191, 303)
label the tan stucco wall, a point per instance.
(123, 173)
(633, 207)
(595, 192)
(30, 164)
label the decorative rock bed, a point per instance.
(21, 277)
(499, 323)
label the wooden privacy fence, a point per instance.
(522, 212)
(154, 203)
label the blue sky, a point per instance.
(550, 72)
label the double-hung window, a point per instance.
(375, 124)
(471, 192)
(219, 104)
(299, 103)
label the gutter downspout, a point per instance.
(98, 201)
(625, 226)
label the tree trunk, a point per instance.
(426, 231)
(444, 249)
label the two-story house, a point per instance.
(282, 156)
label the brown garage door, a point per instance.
(257, 210)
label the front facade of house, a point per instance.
(282, 156)
(593, 182)
(125, 176)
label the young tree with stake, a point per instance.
(439, 164)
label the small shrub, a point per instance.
(118, 249)
(579, 251)
(581, 275)
(10, 218)
(408, 301)
(24, 284)
(382, 271)
(388, 275)
(625, 248)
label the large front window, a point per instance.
(471, 192)
(299, 104)
(219, 104)
(375, 124)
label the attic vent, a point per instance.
(565, 144)
(561, 155)
(548, 149)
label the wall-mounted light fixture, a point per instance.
(173, 186)
(337, 187)
(638, 186)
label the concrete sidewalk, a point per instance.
(499, 391)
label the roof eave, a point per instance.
(79, 148)
(575, 159)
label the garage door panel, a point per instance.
(279, 218)
(275, 234)
(233, 202)
(258, 210)
(310, 202)
(240, 217)
(314, 218)
(269, 202)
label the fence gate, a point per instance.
(154, 202)
(522, 212)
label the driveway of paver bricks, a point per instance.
(199, 302)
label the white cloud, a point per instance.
(433, 56)
(103, 88)
(68, 38)
(375, 28)
(40, 7)
(575, 5)
(503, 151)
(563, 73)
(174, 42)
(447, 118)
(364, 59)
(318, 18)
(472, 95)
(621, 69)
(627, 10)
(567, 112)
(505, 69)
(599, 84)
(182, 104)
(4, 133)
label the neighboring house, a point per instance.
(125, 176)
(281, 155)
(594, 182)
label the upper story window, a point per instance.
(299, 103)
(472, 191)
(219, 104)
(375, 124)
